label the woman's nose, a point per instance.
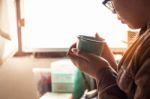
(119, 18)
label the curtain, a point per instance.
(8, 29)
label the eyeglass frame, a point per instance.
(109, 5)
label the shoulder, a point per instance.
(143, 48)
(144, 42)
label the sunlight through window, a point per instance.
(57, 23)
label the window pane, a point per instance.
(56, 23)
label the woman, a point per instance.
(130, 79)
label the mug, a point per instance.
(90, 44)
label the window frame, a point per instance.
(20, 52)
(53, 54)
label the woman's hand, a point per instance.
(87, 62)
(107, 54)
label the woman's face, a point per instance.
(131, 12)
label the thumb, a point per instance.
(97, 36)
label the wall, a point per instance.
(16, 77)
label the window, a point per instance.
(53, 25)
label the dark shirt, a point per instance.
(132, 79)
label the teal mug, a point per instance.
(90, 44)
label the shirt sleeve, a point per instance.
(107, 86)
(142, 80)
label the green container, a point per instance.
(63, 75)
(79, 85)
(90, 44)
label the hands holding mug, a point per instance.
(88, 60)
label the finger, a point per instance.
(70, 49)
(97, 36)
(73, 46)
(76, 55)
(78, 60)
(91, 56)
(87, 55)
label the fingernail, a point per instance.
(74, 50)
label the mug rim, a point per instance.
(87, 38)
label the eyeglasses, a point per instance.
(109, 5)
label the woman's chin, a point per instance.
(133, 27)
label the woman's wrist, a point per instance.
(108, 55)
(106, 77)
